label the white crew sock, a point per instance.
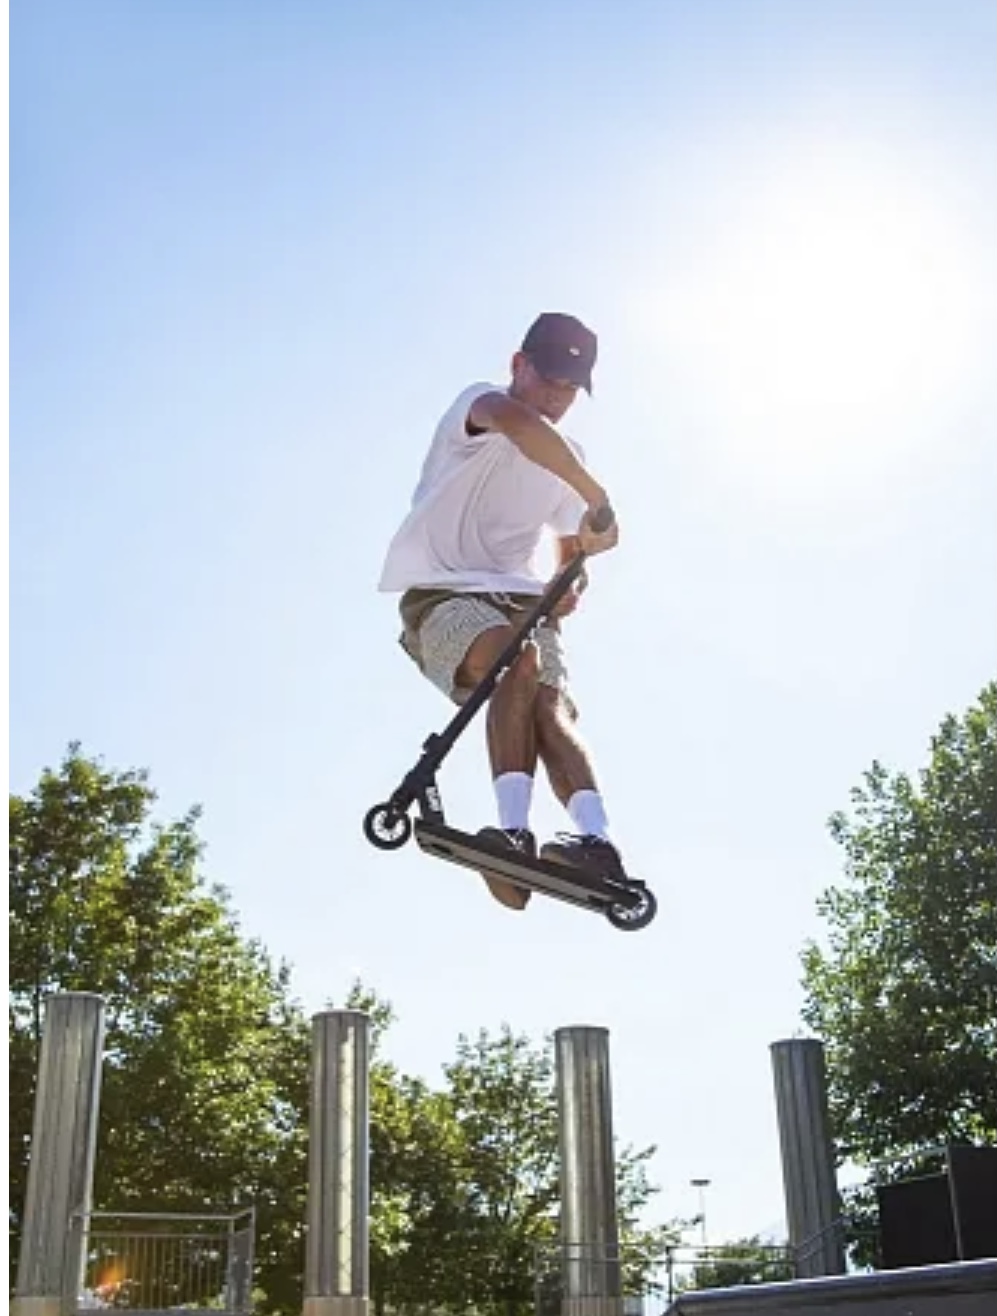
(588, 813)
(514, 793)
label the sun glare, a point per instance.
(828, 320)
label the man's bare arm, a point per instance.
(537, 440)
(568, 547)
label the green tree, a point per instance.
(505, 1195)
(905, 994)
(205, 1071)
(412, 1141)
(743, 1261)
(205, 1090)
(500, 1093)
(417, 1217)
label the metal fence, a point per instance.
(727, 1266)
(140, 1261)
(584, 1281)
(574, 1279)
(570, 1281)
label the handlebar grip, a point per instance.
(602, 519)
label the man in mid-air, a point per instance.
(497, 475)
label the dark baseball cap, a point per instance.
(561, 347)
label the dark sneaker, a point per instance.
(592, 854)
(517, 838)
(519, 841)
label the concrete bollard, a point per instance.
(337, 1256)
(63, 1146)
(590, 1249)
(809, 1179)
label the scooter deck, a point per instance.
(555, 880)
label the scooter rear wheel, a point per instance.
(386, 829)
(631, 918)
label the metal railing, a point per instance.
(570, 1281)
(831, 1239)
(584, 1280)
(158, 1262)
(689, 1267)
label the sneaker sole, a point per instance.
(508, 895)
(511, 897)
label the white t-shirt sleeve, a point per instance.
(455, 420)
(452, 445)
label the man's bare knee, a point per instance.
(485, 650)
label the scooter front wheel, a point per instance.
(631, 918)
(385, 828)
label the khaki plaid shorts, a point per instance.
(440, 625)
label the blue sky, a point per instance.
(257, 249)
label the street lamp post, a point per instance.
(701, 1185)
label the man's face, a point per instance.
(551, 397)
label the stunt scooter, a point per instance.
(627, 903)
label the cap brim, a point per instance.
(563, 365)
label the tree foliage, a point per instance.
(478, 1180)
(742, 1261)
(205, 1065)
(905, 994)
(205, 1090)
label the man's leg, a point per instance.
(456, 646)
(511, 731)
(512, 745)
(572, 776)
(568, 764)
(560, 747)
